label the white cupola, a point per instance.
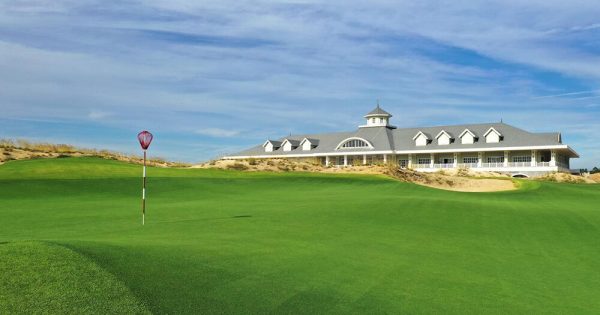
(378, 118)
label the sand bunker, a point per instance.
(456, 180)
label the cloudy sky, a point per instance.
(213, 77)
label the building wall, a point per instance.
(421, 141)
(306, 146)
(287, 147)
(357, 159)
(467, 139)
(443, 140)
(512, 154)
(491, 154)
(461, 156)
(492, 137)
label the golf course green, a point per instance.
(229, 242)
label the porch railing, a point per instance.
(443, 165)
(485, 165)
(492, 165)
(421, 165)
(519, 164)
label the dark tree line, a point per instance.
(593, 171)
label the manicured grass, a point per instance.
(236, 243)
(47, 278)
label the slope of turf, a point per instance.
(231, 242)
(47, 278)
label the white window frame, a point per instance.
(495, 159)
(470, 160)
(441, 160)
(343, 142)
(521, 159)
(403, 163)
(421, 160)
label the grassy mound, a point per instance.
(229, 242)
(47, 278)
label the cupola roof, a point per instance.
(378, 112)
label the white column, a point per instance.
(345, 160)
(364, 159)
(479, 159)
(455, 160)
(553, 158)
(410, 161)
(327, 160)
(432, 160)
(505, 158)
(384, 158)
(533, 157)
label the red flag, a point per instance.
(145, 139)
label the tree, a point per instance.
(595, 170)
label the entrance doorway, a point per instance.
(446, 161)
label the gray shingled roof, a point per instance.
(378, 112)
(294, 143)
(388, 139)
(313, 142)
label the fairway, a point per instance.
(228, 242)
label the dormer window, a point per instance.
(289, 145)
(271, 145)
(467, 137)
(421, 139)
(309, 144)
(444, 138)
(493, 136)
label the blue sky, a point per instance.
(213, 77)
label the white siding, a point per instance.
(421, 141)
(377, 121)
(492, 137)
(444, 139)
(306, 146)
(467, 138)
(287, 146)
(269, 147)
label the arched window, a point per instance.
(354, 143)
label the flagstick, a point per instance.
(144, 192)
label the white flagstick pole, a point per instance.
(144, 192)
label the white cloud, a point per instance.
(217, 132)
(98, 115)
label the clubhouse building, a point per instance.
(496, 147)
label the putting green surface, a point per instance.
(226, 242)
